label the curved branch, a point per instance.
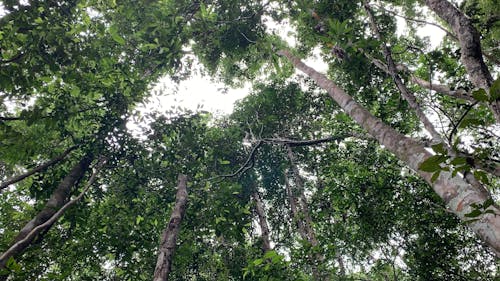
(470, 46)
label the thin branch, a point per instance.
(455, 127)
(448, 33)
(294, 143)
(38, 168)
(442, 89)
(19, 244)
(13, 59)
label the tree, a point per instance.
(357, 163)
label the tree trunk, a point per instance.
(470, 46)
(264, 227)
(169, 236)
(59, 197)
(457, 193)
(302, 212)
(25, 242)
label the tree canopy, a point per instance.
(384, 167)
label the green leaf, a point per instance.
(481, 176)
(435, 176)
(439, 148)
(459, 161)
(480, 95)
(113, 31)
(431, 164)
(475, 213)
(258, 261)
(495, 90)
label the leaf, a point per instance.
(480, 95)
(475, 213)
(138, 219)
(258, 261)
(431, 164)
(495, 90)
(113, 31)
(459, 161)
(481, 176)
(467, 122)
(435, 176)
(439, 148)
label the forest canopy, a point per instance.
(383, 167)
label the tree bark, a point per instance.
(264, 227)
(470, 46)
(458, 195)
(59, 197)
(37, 169)
(169, 236)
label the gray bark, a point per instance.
(169, 236)
(264, 227)
(25, 242)
(455, 191)
(407, 94)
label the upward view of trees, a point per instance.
(383, 167)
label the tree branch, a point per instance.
(470, 46)
(37, 169)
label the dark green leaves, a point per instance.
(433, 163)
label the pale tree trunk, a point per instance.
(470, 46)
(296, 217)
(264, 227)
(456, 192)
(303, 212)
(59, 197)
(169, 236)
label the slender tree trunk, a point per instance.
(470, 46)
(169, 236)
(264, 227)
(59, 197)
(405, 93)
(296, 216)
(37, 169)
(457, 193)
(307, 224)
